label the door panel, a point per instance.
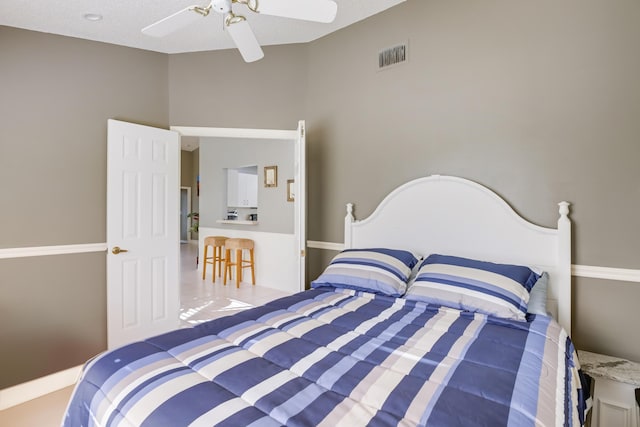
(159, 206)
(128, 292)
(159, 287)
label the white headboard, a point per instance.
(455, 216)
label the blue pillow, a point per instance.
(377, 270)
(538, 296)
(495, 289)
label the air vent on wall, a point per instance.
(393, 56)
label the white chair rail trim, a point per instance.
(594, 272)
(51, 250)
(608, 273)
(325, 245)
(588, 271)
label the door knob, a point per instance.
(116, 250)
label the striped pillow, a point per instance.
(377, 270)
(496, 289)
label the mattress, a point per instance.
(331, 357)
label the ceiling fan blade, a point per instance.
(173, 22)
(245, 40)
(309, 10)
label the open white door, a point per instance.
(143, 232)
(300, 201)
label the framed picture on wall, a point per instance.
(270, 176)
(290, 191)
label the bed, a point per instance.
(426, 317)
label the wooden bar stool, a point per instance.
(218, 243)
(239, 245)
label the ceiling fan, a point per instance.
(309, 10)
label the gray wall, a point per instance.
(186, 169)
(539, 101)
(56, 94)
(275, 214)
(189, 170)
(219, 89)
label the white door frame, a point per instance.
(189, 218)
(300, 200)
(296, 135)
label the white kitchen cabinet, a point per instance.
(242, 189)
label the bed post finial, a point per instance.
(564, 208)
(348, 220)
(350, 210)
(564, 265)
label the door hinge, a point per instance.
(302, 253)
(301, 132)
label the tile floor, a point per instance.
(200, 301)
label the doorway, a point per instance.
(281, 257)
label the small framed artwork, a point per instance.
(291, 197)
(270, 176)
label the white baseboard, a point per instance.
(39, 387)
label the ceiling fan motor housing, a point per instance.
(221, 6)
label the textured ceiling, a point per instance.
(123, 20)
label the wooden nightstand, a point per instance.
(614, 392)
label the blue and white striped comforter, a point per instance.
(338, 358)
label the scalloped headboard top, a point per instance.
(455, 216)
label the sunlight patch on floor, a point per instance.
(186, 314)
